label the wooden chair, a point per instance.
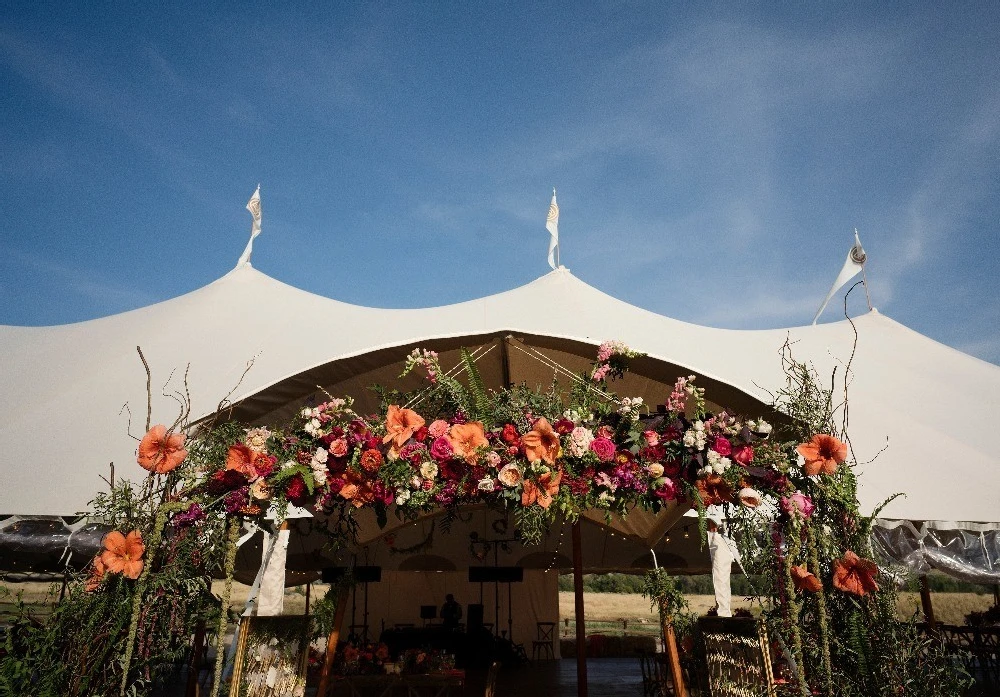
(491, 680)
(545, 636)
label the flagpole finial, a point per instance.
(253, 206)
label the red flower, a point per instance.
(510, 435)
(563, 426)
(822, 454)
(420, 435)
(160, 451)
(743, 454)
(805, 581)
(672, 467)
(722, 446)
(297, 491)
(852, 574)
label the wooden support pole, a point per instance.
(581, 627)
(331, 642)
(673, 655)
(925, 602)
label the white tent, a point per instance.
(925, 410)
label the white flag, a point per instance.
(552, 225)
(854, 264)
(253, 205)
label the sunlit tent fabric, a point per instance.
(74, 396)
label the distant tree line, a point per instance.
(743, 585)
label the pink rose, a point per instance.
(798, 504)
(652, 438)
(441, 449)
(338, 448)
(743, 454)
(722, 446)
(666, 489)
(438, 428)
(605, 432)
(604, 449)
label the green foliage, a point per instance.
(664, 594)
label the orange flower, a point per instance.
(123, 555)
(465, 438)
(160, 451)
(852, 574)
(371, 460)
(805, 581)
(823, 453)
(714, 490)
(96, 575)
(400, 425)
(542, 491)
(242, 459)
(541, 442)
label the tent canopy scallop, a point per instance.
(921, 412)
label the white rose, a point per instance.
(485, 484)
(429, 470)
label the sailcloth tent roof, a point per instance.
(74, 396)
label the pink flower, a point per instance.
(652, 438)
(722, 446)
(604, 449)
(441, 449)
(605, 432)
(338, 448)
(438, 428)
(798, 504)
(666, 489)
(492, 459)
(743, 454)
(601, 372)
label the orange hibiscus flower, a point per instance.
(805, 581)
(541, 492)
(465, 438)
(541, 442)
(242, 459)
(123, 554)
(714, 490)
(852, 574)
(822, 454)
(160, 451)
(400, 424)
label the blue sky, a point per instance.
(711, 161)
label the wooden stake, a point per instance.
(673, 655)
(925, 602)
(331, 641)
(581, 627)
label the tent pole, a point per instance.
(331, 642)
(504, 363)
(581, 628)
(673, 655)
(925, 602)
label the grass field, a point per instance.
(949, 608)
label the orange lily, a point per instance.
(541, 442)
(714, 490)
(852, 574)
(242, 459)
(123, 555)
(465, 438)
(804, 580)
(160, 451)
(96, 575)
(542, 491)
(400, 424)
(822, 454)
